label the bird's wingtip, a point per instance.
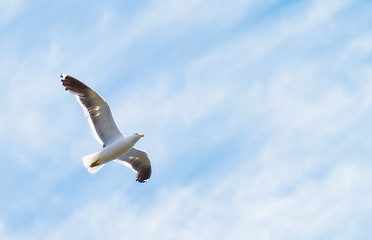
(63, 76)
(143, 175)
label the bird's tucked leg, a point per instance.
(96, 163)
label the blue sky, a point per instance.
(256, 115)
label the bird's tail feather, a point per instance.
(91, 162)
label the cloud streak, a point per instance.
(261, 134)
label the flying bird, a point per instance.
(116, 146)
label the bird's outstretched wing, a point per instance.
(139, 162)
(96, 108)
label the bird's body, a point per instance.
(115, 145)
(118, 148)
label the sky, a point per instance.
(256, 114)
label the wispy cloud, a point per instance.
(261, 133)
(9, 10)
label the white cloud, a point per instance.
(9, 9)
(263, 205)
(279, 194)
(302, 176)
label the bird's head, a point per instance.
(135, 137)
(139, 135)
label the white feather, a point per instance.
(91, 158)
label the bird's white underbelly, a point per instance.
(115, 149)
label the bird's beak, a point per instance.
(142, 135)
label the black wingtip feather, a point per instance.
(143, 175)
(73, 85)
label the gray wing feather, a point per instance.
(139, 162)
(96, 108)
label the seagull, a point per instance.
(116, 146)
